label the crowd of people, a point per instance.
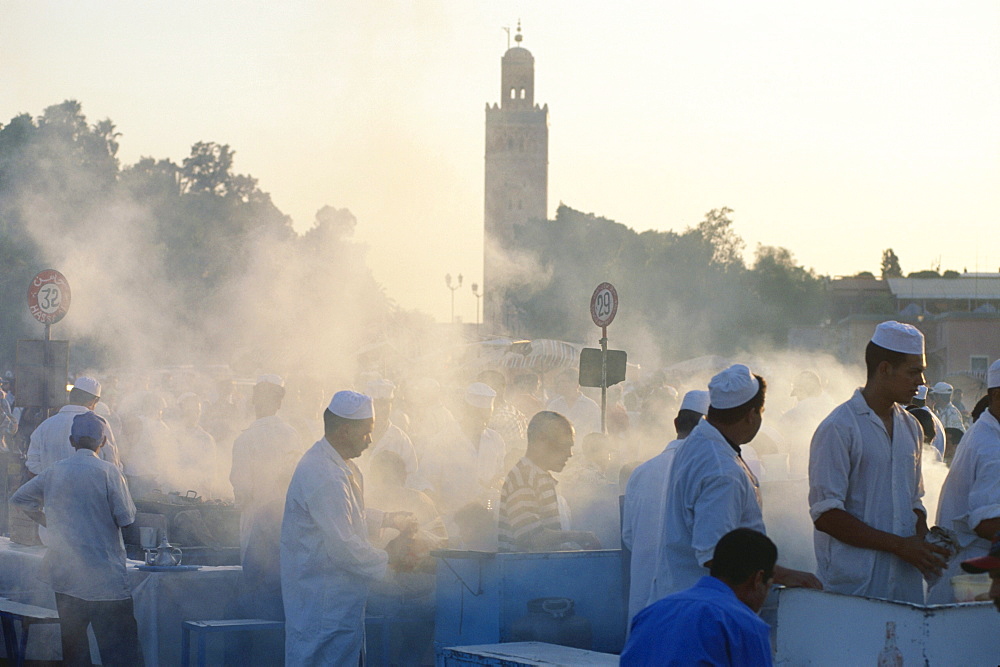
(341, 506)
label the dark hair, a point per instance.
(925, 419)
(81, 397)
(741, 553)
(332, 422)
(876, 354)
(541, 426)
(686, 421)
(84, 442)
(732, 415)
(982, 404)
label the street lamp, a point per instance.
(475, 290)
(447, 281)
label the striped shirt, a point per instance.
(528, 505)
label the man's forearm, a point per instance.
(850, 530)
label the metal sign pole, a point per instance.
(604, 380)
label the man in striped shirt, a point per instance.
(529, 504)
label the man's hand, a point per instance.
(929, 558)
(404, 522)
(796, 578)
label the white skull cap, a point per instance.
(88, 384)
(351, 405)
(993, 375)
(899, 337)
(696, 400)
(942, 388)
(380, 390)
(921, 393)
(271, 378)
(480, 395)
(732, 387)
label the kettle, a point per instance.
(167, 554)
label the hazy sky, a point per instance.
(833, 129)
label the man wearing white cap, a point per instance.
(49, 442)
(919, 402)
(645, 502)
(466, 462)
(327, 559)
(945, 410)
(387, 437)
(264, 456)
(865, 479)
(970, 498)
(711, 490)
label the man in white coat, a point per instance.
(970, 498)
(645, 502)
(327, 559)
(865, 483)
(264, 457)
(50, 441)
(711, 489)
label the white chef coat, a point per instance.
(327, 560)
(970, 495)
(49, 442)
(854, 467)
(264, 458)
(711, 492)
(459, 472)
(584, 414)
(642, 523)
(86, 502)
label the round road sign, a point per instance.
(604, 304)
(48, 296)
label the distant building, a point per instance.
(960, 317)
(517, 164)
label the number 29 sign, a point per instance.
(604, 304)
(48, 296)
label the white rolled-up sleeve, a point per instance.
(829, 469)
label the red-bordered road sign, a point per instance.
(604, 304)
(48, 296)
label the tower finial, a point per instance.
(518, 37)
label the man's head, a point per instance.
(807, 385)
(919, 399)
(382, 392)
(267, 395)
(988, 563)
(693, 408)
(526, 383)
(736, 407)
(88, 431)
(550, 440)
(993, 389)
(895, 362)
(86, 392)
(744, 560)
(496, 381)
(348, 423)
(189, 406)
(478, 408)
(926, 422)
(388, 469)
(567, 383)
(941, 394)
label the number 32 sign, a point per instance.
(604, 304)
(48, 296)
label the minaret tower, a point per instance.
(517, 163)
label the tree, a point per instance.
(890, 265)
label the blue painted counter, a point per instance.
(480, 594)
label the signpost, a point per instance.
(603, 308)
(42, 365)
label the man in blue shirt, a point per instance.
(715, 621)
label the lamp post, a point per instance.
(475, 290)
(447, 281)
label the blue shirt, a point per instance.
(703, 625)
